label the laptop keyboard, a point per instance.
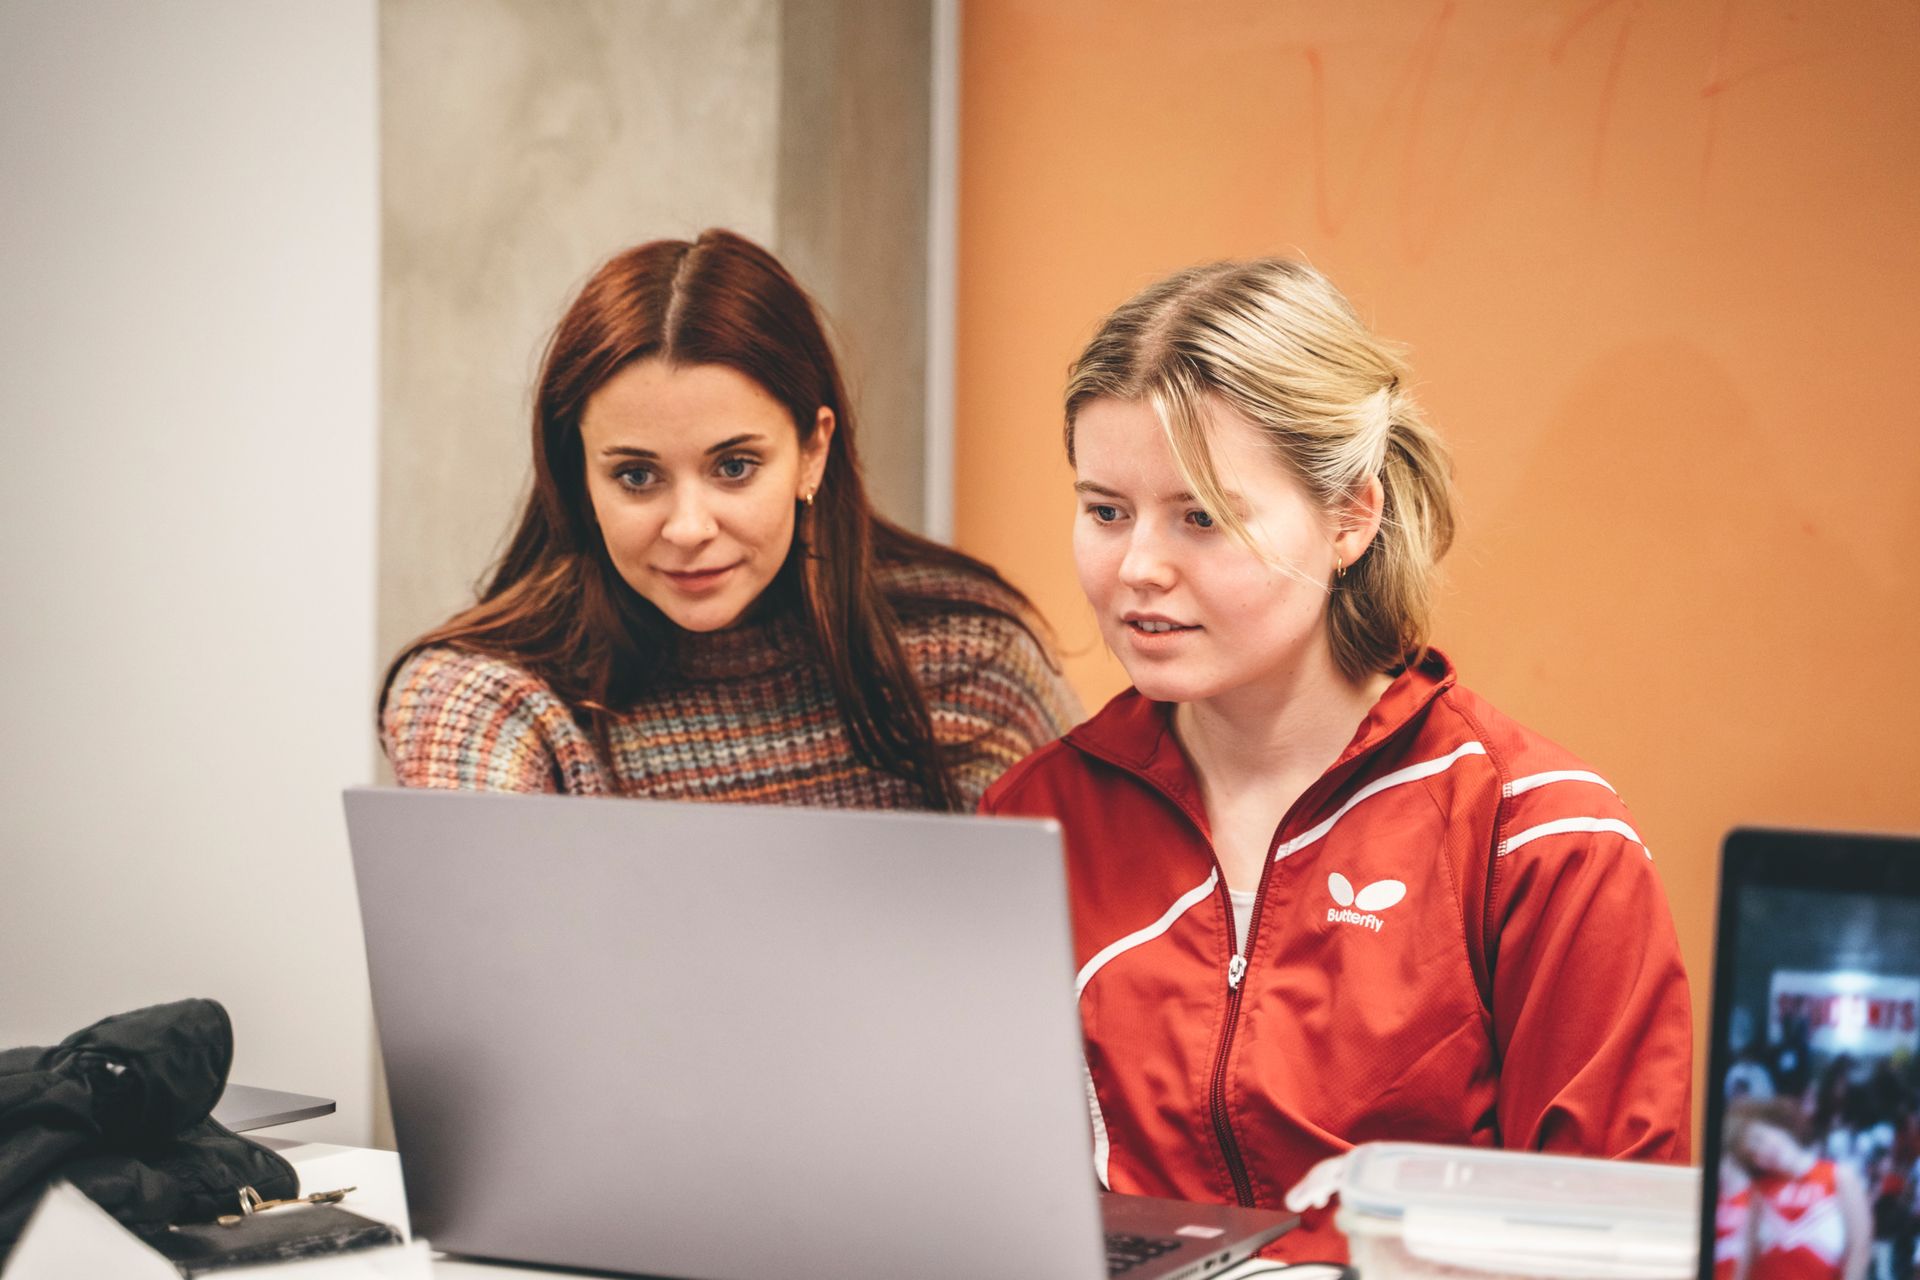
(1125, 1252)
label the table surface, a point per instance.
(380, 1194)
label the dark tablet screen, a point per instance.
(1812, 1160)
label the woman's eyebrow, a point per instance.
(731, 442)
(1092, 486)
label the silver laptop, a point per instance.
(725, 1041)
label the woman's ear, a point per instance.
(1357, 521)
(813, 454)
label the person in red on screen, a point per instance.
(1807, 1216)
(1322, 893)
(1733, 1222)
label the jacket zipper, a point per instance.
(1237, 964)
(1236, 970)
(1236, 991)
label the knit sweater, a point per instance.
(748, 715)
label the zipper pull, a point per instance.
(1236, 970)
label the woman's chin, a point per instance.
(1158, 684)
(704, 606)
(707, 618)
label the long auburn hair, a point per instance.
(557, 607)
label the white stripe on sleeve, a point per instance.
(1412, 773)
(1148, 934)
(1102, 1151)
(1520, 786)
(1101, 1148)
(1560, 826)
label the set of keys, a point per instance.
(251, 1203)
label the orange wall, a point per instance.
(1657, 265)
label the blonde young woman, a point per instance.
(1323, 894)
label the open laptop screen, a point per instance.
(1812, 1161)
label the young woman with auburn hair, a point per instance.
(699, 601)
(1322, 894)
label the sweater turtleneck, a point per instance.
(752, 647)
(744, 715)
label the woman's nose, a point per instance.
(690, 522)
(1145, 565)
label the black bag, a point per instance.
(121, 1110)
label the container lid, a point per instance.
(1525, 1213)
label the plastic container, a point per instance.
(1417, 1212)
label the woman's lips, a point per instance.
(1154, 635)
(698, 581)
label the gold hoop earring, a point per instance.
(1339, 568)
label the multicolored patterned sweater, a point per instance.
(749, 717)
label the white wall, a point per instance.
(523, 142)
(188, 296)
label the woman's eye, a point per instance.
(1104, 513)
(1200, 519)
(635, 477)
(737, 468)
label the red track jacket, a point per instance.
(1459, 938)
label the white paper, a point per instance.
(69, 1237)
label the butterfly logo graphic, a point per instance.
(1377, 896)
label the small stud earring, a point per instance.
(807, 497)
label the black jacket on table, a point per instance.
(122, 1110)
